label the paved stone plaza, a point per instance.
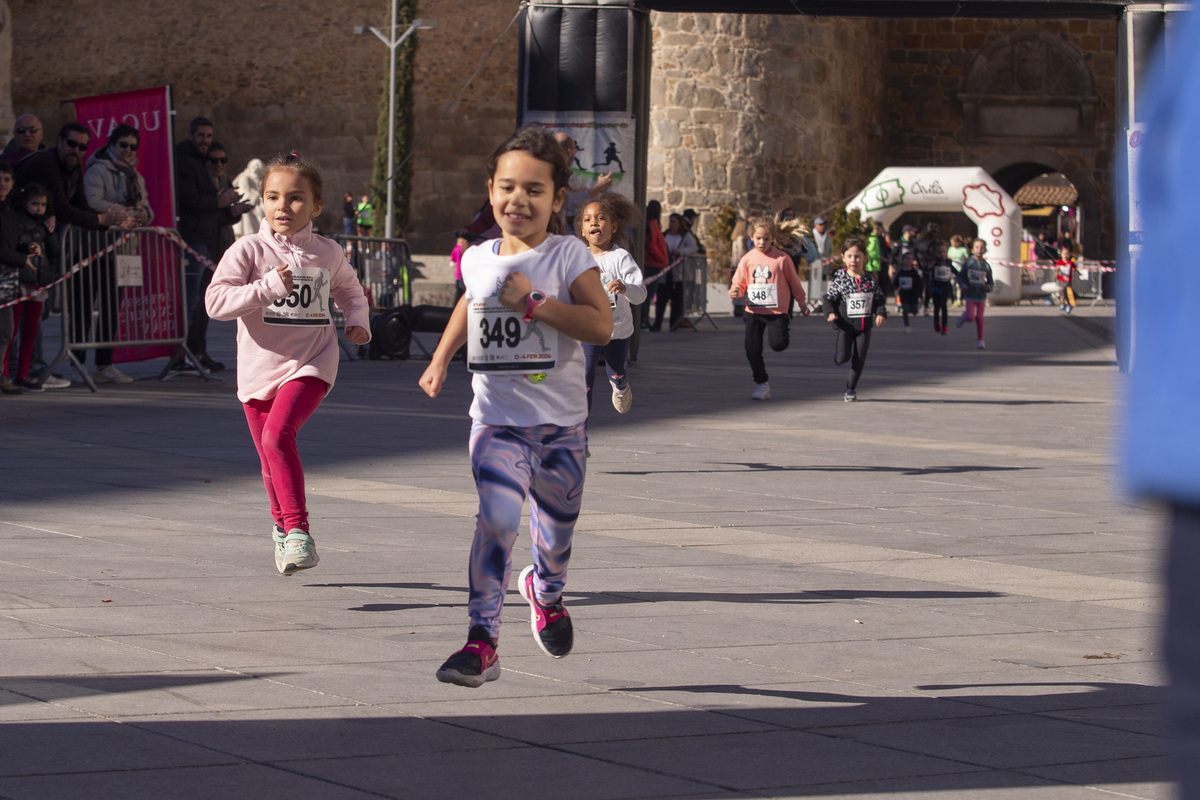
(936, 592)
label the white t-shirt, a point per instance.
(512, 399)
(618, 265)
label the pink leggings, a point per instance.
(27, 317)
(975, 312)
(274, 424)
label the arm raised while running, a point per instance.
(588, 318)
(454, 337)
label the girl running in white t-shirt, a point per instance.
(532, 297)
(604, 225)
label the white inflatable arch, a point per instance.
(966, 189)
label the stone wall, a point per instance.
(760, 112)
(274, 81)
(450, 175)
(763, 112)
(929, 66)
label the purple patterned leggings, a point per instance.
(545, 463)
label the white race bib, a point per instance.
(308, 304)
(762, 295)
(977, 277)
(500, 340)
(942, 273)
(906, 283)
(858, 304)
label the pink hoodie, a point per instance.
(247, 280)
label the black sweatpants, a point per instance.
(852, 346)
(776, 328)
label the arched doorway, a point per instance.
(1015, 169)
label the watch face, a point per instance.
(537, 296)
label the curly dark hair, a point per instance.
(619, 211)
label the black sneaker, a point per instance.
(552, 629)
(209, 364)
(475, 664)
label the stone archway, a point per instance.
(1012, 169)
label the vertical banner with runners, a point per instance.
(584, 71)
(150, 297)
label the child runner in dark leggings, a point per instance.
(941, 286)
(855, 305)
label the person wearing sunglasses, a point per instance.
(58, 169)
(112, 179)
(27, 138)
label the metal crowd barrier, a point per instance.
(123, 290)
(693, 274)
(384, 268)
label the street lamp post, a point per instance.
(392, 44)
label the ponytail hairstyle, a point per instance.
(541, 144)
(304, 167)
(620, 212)
(785, 230)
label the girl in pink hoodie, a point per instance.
(277, 284)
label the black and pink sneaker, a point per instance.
(552, 629)
(474, 665)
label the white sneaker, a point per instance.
(980, 345)
(111, 374)
(55, 382)
(761, 392)
(299, 552)
(622, 400)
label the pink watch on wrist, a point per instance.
(536, 299)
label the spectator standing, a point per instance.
(26, 220)
(656, 258)
(203, 209)
(27, 139)
(577, 195)
(58, 171)
(680, 244)
(364, 217)
(112, 183)
(818, 249)
(348, 214)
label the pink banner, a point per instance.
(153, 310)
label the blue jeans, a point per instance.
(616, 358)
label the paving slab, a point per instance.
(934, 592)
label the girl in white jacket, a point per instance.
(604, 225)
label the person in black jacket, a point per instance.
(59, 172)
(23, 228)
(203, 210)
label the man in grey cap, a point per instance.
(818, 248)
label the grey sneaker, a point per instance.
(622, 400)
(54, 382)
(295, 552)
(279, 534)
(111, 374)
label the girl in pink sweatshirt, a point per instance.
(277, 284)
